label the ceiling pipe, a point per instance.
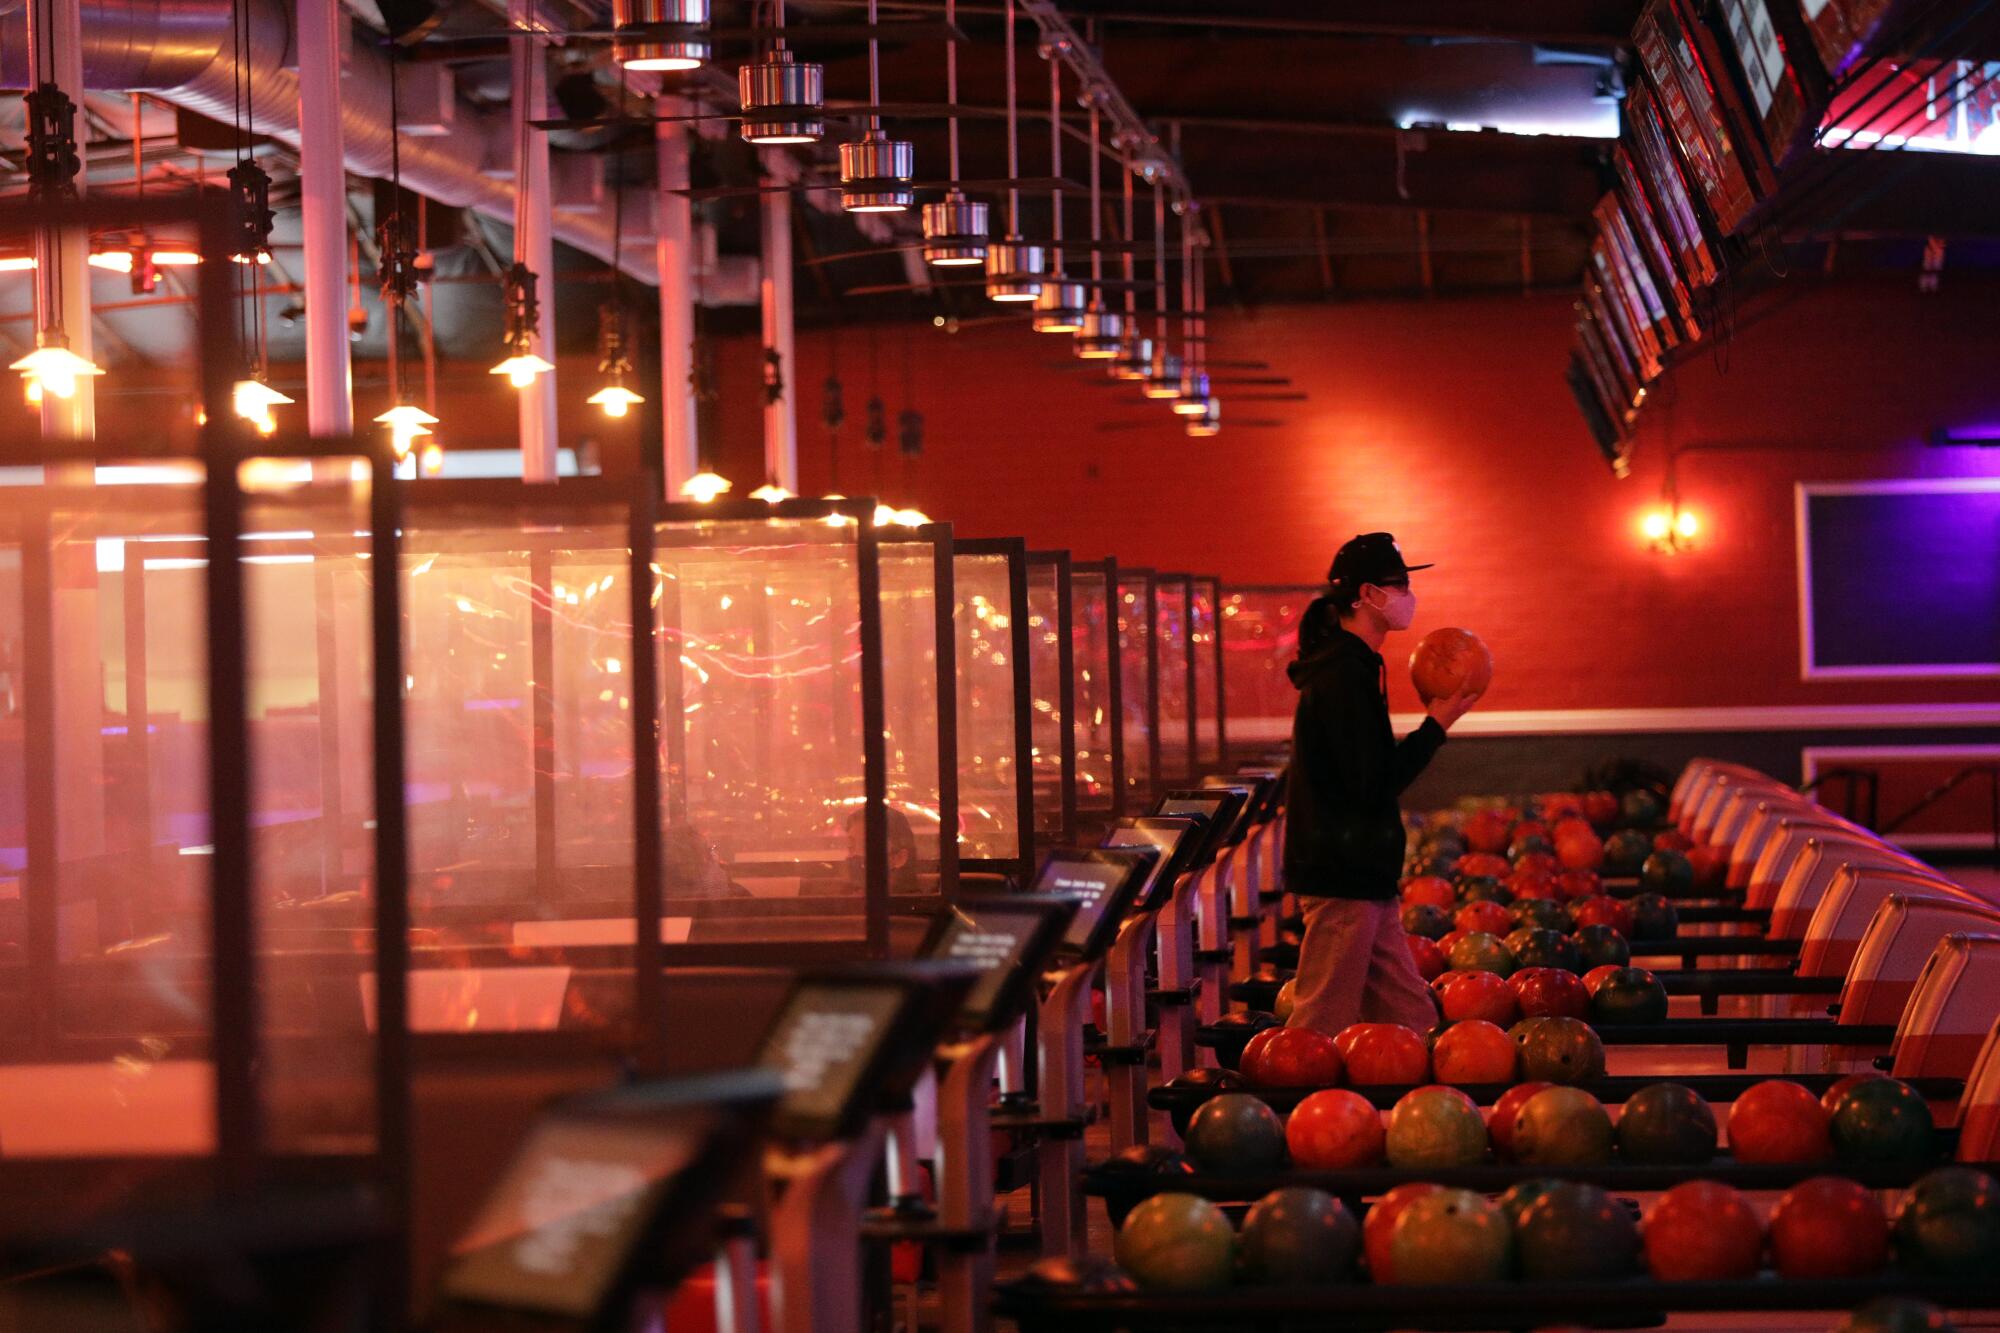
(323, 218)
(179, 51)
(674, 243)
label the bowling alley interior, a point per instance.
(999, 666)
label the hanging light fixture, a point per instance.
(406, 422)
(53, 369)
(1059, 309)
(1133, 360)
(1163, 377)
(521, 365)
(253, 400)
(1100, 330)
(784, 99)
(1193, 399)
(1013, 267)
(875, 170)
(668, 34)
(615, 399)
(396, 274)
(705, 485)
(771, 493)
(954, 226)
(1208, 423)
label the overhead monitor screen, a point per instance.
(822, 1045)
(1663, 175)
(1774, 89)
(1693, 116)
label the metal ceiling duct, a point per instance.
(179, 50)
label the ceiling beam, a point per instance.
(1568, 22)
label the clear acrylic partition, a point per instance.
(1171, 629)
(1094, 665)
(910, 715)
(308, 630)
(1137, 678)
(1047, 630)
(104, 714)
(1260, 637)
(518, 652)
(988, 772)
(758, 624)
(1208, 718)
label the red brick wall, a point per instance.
(1449, 423)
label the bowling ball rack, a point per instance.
(1635, 1302)
(1610, 1090)
(1735, 1035)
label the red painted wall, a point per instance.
(1449, 423)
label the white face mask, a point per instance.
(1398, 608)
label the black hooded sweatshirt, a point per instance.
(1343, 826)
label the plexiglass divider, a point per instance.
(1211, 711)
(995, 736)
(1139, 682)
(193, 783)
(768, 630)
(920, 712)
(1097, 656)
(1052, 686)
(1173, 645)
(1260, 637)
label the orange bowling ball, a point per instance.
(1450, 660)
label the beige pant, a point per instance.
(1355, 967)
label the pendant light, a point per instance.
(615, 399)
(1163, 379)
(1059, 309)
(1193, 400)
(705, 486)
(771, 493)
(396, 275)
(954, 226)
(655, 49)
(53, 368)
(1208, 423)
(1013, 267)
(1134, 359)
(1100, 330)
(875, 170)
(784, 99)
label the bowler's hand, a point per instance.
(1447, 711)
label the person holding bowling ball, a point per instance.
(1344, 838)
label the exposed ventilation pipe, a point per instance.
(178, 50)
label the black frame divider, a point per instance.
(938, 537)
(1059, 561)
(1015, 550)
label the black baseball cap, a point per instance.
(1373, 557)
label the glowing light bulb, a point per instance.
(56, 368)
(1656, 525)
(522, 369)
(115, 261)
(615, 399)
(406, 422)
(1687, 525)
(33, 389)
(704, 486)
(253, 400)
(771, 493)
